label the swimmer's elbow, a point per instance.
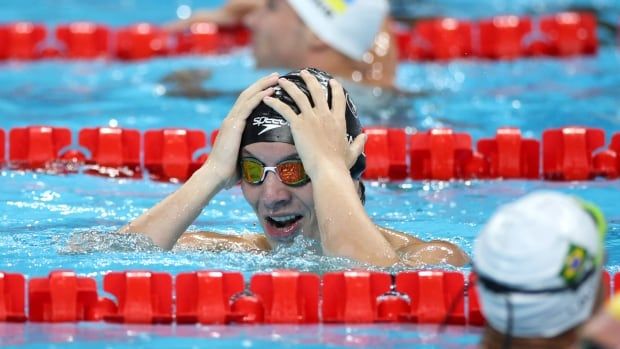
(164, 245)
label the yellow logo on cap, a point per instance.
(337, 6)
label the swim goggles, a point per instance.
(289, 172)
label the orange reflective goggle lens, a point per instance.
(289, 172)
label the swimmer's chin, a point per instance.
(282, 240)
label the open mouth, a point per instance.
(282, 227)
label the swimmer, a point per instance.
(603, 331)
(539, 265)
(349, 39)
(296, 144)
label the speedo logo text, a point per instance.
(268, 124)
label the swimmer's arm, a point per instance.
(165, 222)
(231, 13)
(345, 228)
(210, 241)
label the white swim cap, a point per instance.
(543, 241)
(349, 26)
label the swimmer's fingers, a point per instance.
(299, 97)
(281, 108)
(356, 149)
(317, 92)
(260, 85)
(339, 103)
(253, 102)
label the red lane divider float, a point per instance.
(474, 316)
(141, 41)
(36, 146)
(607, 290)
(442, 39)
(508, 155)
(21, 40)
(607, 162)
(288, 296)
(142, 297)
(284, 296)
(570, 33)
(440, 154)
(205, 296)
(2, 149)
(114, 151)
(171, 153)
(87, 40)
(208, 38)
(63, 297)
(569, 153)
(12, 288)
(436, 296)
(500, 37)
(386, 153)
(84, 40)
(351, 296)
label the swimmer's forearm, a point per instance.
(345, 228)
(169, 219)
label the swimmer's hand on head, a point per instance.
(344, 227)
(223, 157)
(319, 133)
(169, 219)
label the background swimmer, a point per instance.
(539, 262)
(350, 40)
(300, 175)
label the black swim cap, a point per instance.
(266, 125)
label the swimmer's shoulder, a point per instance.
(398, 239)
(211, 241)
(417, 252)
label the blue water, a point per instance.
(55, 221)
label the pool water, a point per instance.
(52, 222)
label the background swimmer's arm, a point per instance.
(188, 83)
(231, 13)
(210, 241)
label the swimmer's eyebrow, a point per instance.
(293, 156)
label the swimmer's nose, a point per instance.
(275, 194)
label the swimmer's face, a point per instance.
(283, 211)
(279, 37)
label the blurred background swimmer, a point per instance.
(309, 135)
(603, 331)
(539, 266)
(349, 39)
